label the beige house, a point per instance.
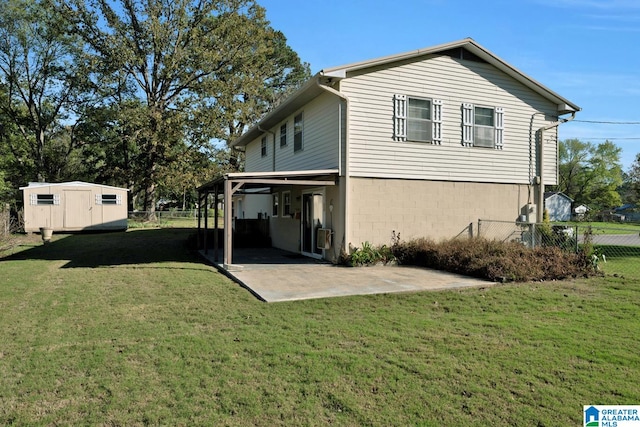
(422, 143)
(74, 206)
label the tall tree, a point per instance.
(632, 181)
(573, 156)
(605, 175)
(42, 76)
(590, 174)
(192, 63)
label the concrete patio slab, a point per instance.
(274, 276)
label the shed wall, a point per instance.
(77, 208)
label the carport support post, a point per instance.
(228, 232)
(206, 221)
(198, 234)
(215, 222)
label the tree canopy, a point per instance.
(137, 93)
(202, 70)
(590, 174)
(42, 80)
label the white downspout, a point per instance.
(540, 210)
(347, 190)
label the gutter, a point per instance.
(347, 198)
(540, 212)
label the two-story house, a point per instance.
(421, 143)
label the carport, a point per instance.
(224, 188)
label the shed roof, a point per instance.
(548, 194)
(70, 184)
(312, 89)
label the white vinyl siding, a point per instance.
(373, 123)
(321, 141)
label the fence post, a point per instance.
(533, 235)
(479, 223)
(5, 218)
(471, 230)
(577, 236)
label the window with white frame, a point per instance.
(108, 199)
(263, 146)
(286, 203)
(274, 210)
(297, 132)
(44, 199)
(482, 126)
(283, 135)
(417, 119)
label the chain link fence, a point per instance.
(10, 224)
(616, 247)
(172, 218)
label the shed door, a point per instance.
(77, 209)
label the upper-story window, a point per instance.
(419, 124)
(263, 146)
(482, 126)
(297, 132)
(417, 119)
(283, 134)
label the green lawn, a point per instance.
(605, 227)
(132, 329)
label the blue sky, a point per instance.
(586, 50)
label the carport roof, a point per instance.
(265, 179)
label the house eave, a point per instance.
(564, 105)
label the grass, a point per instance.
(621, 260)
(131, 329)
(605, 227)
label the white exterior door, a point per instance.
(312, 221)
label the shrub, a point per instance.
(494, 260)
(368, 255)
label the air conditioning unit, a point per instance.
(323, 238)
(531, 213)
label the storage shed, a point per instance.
(74, 206)
(558, 205)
